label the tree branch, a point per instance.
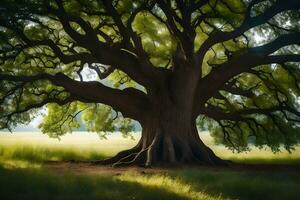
(249, 22)
(129, 102)
(253, 57)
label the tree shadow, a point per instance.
(202, 183)
(40, 184)
(246, 185)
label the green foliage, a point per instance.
(60, 119)
(125, 126)
(259, 129)
(120, 79)
(99, 119)
(157, 40)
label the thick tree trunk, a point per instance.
(169, 140)
(169, 134)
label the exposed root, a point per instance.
(119, 156)
(166, 150)
(148, 157)
(137, 159)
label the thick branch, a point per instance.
(253, 57)
(249, 22)
(218, 114)
(129, 101)
(112, 55)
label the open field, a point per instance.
(36, 147)
(24, 175)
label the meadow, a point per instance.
(25, 174)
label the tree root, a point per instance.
(119, 156)
(136, 159)
(146, 158)
(166, 152)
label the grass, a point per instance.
(37, 148)
(171, 185)
(40, 185)
(23, 176)
(40, 153)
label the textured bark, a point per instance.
(169, 133)
(168, 142)
(169, 137)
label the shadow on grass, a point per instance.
(174, 184)
(40, 184)
(245, 185)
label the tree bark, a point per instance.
(169, 132)
(170, 140)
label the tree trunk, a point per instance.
(171, 139)
(169, 133)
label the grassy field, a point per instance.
(24, 176)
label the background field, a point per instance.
(24, 175)
(36, 147)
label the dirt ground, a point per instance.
(87, 167)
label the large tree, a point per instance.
(228, 65)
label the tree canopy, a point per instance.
(235, 63)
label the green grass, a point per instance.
(39, 153)
(245, 185)
(23, 151)
(22, 175)
(172, 185)
(28, 184)
(87, 146)
(37, 148)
